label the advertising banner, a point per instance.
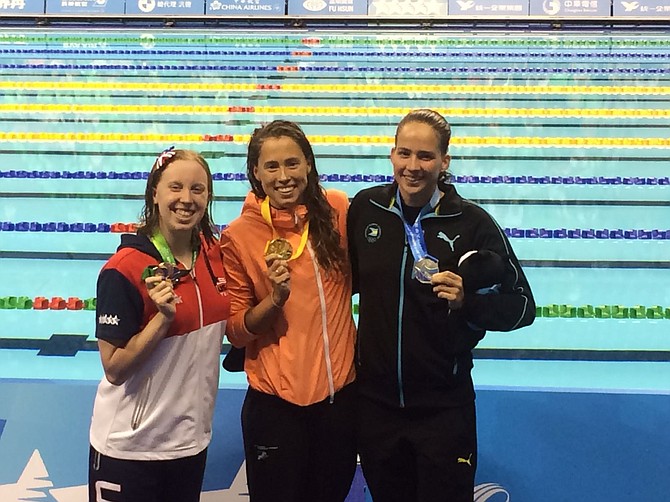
(21, 7)
(645, 8)
(419, 8)
(488, 7)
(85, 7)
(163, 7)
(570, 8)
(328, 7)
(245, 7)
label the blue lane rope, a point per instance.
(513, 232)
(363, 178)
(334, 69)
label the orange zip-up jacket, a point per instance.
(308, 354)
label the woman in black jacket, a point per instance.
(418, 323)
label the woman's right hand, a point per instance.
(280, 278)
(162, 294)
(122, 361)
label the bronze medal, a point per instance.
(280, 246)
(170, 273)
(164, 270)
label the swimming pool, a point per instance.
(562, 138)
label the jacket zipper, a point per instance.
(324, 324)
(197, 293)
(141, 403)
(199, 340)
(401, 303)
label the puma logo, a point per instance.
(264, 452)
(445, 238)
(461, 460)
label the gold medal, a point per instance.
(280, 246)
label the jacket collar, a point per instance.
(143, 244)
(450, 203)
(281, 218)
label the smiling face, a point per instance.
(181, 196)
(282, 171)
(417, 162)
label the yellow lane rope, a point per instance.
(471, 141)
(228, 87)
(613, 113)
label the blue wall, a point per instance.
(537, 446)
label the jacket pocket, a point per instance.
(141, 404)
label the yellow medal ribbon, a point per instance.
(265, 212)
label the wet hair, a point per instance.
(149, 219)
(437, 123)
(323, 233)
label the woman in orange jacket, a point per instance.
(289, 282)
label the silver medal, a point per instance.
(424, 269)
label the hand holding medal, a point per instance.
(161, 280)
(446, 285)
(277, 253)
(425, 269)
(425, 266)
(171, 274)
(165, 275)
(449, 286)
(280, 247)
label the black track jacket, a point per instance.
(412, 350)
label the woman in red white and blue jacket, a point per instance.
(161, 316)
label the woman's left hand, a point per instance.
(449, 286)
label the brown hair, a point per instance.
(323, 234)
(149, 219)
(436, 122)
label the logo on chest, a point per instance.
(445, 238)
(373, 232)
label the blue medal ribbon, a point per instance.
(414, 232)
